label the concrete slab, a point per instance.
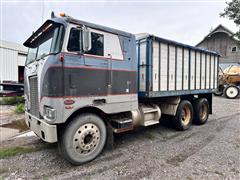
(6, 133)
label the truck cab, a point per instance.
(73, 66)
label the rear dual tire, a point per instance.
(184, 116)
(187, 113)
(201, 111)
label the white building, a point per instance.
(12, 60)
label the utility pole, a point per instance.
(42, 10)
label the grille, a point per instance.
(34, 102)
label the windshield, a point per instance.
(46, 42)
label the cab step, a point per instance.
(122, 125)
(150, 122)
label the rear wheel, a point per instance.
(231, 91)
(184, 115)
(201, 111)
(83, 139)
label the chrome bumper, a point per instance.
(45, 131)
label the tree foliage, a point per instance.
(232, 11)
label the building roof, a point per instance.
(13, 46)
(219, 28)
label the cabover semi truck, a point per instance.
(84, 82)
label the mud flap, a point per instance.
(110, 138)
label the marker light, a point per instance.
(61, 57)
(62, 14)
(69, 102)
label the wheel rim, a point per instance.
(232, 92)
(185, 116)
(203, 111)
(86, 138)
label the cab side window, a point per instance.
(74, 42)
(97, 44)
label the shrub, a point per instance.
(11, 100)
(20, 99)
(20, 108)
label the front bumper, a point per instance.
(44, 130)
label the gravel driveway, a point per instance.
(211, 151)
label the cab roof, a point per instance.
(65, 20)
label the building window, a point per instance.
(234, 49)
(97, 44)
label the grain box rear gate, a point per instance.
(169, 68)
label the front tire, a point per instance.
(184, 116)
(231, 92)
(219, 91)
(83, 139)
(201, 111)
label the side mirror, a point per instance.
(87, 43)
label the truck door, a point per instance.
(88, 75)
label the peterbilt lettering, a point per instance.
(84, 82)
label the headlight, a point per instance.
(49, 113)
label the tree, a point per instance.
(232, 11)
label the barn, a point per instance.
(222, 40)
(12, 60)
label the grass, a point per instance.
(20, 108)
(13, 151)
(3, 170)
(237, 146)
(11, 100)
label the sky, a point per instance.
(186, 21)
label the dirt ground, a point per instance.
(11, 123)
(211, 151)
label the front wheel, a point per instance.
(219, 91)
(231, 91)
(184, 115)
(83, 139)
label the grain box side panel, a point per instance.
(212, 71)
(142, 68)
(172, 70)
(192, 62)
(179, 68)
(207, 71)
(203, 73)
(163, 66)
(198, 70)
(155, 67)
(186, 69)
(216, 71)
